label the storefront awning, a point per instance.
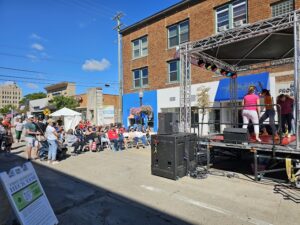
(260, 81)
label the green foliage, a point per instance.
(32, 96)
(62, 101)
(7, 109)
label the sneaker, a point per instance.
(288, 135)
(55, 162)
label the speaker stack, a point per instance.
(172, 153)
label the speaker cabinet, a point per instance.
(168, 123)
(236, 135)
(172, 156)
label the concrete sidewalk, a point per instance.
(118, 188)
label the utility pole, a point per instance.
(117, 18)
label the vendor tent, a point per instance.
(70, 117)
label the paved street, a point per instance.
(118, 188)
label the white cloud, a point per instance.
(37, 46)
(32, 86)
(32, 57)
(35, 36)
(8, 82)
(92, 65)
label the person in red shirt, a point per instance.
(113, 137)
(286, 113)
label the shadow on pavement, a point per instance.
(77, 202)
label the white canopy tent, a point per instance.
(70, 117)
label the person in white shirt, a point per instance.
(19, 128)
(139, 136)
(51, 136)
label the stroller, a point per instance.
(44, 148)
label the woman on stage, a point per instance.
(251, 111)
(270, 112)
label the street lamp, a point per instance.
(141, 95)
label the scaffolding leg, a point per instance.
(255, 165)
(208, 158)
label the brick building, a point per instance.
(149, 47)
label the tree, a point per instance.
(62, 101)
(203, 102)
(32, 96)
(7, 109)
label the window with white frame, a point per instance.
(178, 34)
(140, 47)
(140, 77)
(174, 71)
(231, 15)
(282, 7)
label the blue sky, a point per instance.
(65, 40)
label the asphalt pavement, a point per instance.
(118, 188)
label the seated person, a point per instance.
(90, 136)
(139, 136)
(113, 137)
(72, 141)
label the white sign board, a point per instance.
(27, 197)
(108, 114)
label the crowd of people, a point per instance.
(85, 137)
(252, 107)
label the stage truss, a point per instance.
(263, 32)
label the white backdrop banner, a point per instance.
(108, 114)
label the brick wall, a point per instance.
(202, 24)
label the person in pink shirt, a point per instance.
(251, 111)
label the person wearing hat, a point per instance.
(52, 137)
(251, 110)
(30, 138)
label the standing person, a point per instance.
(251, 111)
(8, 134)
(286, 113)
(51, 136)
(19, 128)
(30, 137)
(2, 133)
(270, 112)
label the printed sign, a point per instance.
(108, 114)
(286, 88)
(27, 197)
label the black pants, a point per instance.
(286, 119)
(78, 146)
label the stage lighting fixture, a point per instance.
(223, 72)
(234, 75)
(214, 68)
(201, 63)
(229, 74)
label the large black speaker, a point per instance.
(236, 135)
(172, 156)
(168, 123)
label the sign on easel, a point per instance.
(27, 197)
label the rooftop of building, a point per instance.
(161, 14)
(58, 85)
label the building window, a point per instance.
(282, 7)
(174, 71)
(178, 34)
(231, 15)
(140, 47)
(140, 77)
